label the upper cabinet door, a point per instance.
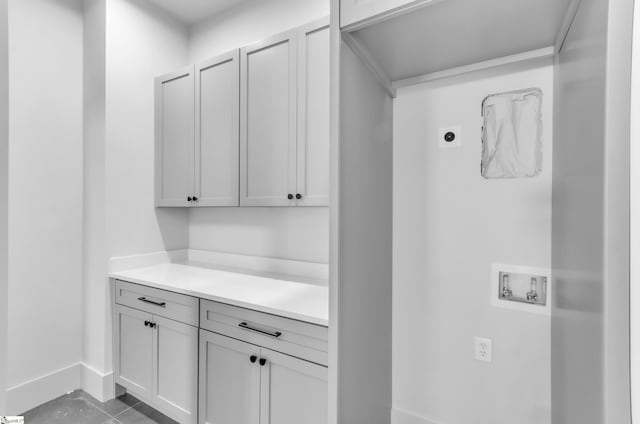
(353, 11)
(174, 138)
(313, 115)
(217, 130)
(293, 391)
(268, 82)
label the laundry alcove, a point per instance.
(416, 228)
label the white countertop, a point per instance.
(296, 300)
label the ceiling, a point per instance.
(194, 11)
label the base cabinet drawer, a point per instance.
(295, 338)
(156, 359)
(241, 383)
(175, 306)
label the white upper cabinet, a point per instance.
(174, 127)
(284, 119)
(217, 131)
(313, 115)
(248, 128)
(268, 83)
(353, 11)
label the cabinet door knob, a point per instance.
(253, 359)
(298, 196)
(189, 199)
(290, 196)
(146, 323)
(262, 362)
(195, 199)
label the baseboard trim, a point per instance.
(97, 384)
(398, 416)
(29, 394)
(25, 396)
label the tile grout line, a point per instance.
(122, 412)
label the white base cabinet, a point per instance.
(200, 361)
(156, 359)
(241, 383)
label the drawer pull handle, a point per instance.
(246, 326)
(145, 300)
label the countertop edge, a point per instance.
(252, 306)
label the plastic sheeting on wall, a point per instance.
(512, 134)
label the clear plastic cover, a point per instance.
(512, 134)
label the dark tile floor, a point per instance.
(79, 407)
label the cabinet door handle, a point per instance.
(145, 300)
(189, 199)
(246, 326)
(262, 362)
(146, 323)
(253, 359)
(152, 324)
(195, 199)
(298, 196)
(289, 196)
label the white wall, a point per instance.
(140, 43)
(45, 193)
(363, 246)
(290, 233)
(302, 233)
(95, 288)
(591, 218)
(450, 225)
(4, 193)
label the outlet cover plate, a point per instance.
(484, 349)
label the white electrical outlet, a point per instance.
(484, 349)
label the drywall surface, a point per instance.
(4, 197)
(249, 22)
(302, 233)
(45, 193)
(578, 216)
(635, 219)
(140, 43)
(94, 189)
(450, 224)
(364, 264)
(289, 233)
(616, 211)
